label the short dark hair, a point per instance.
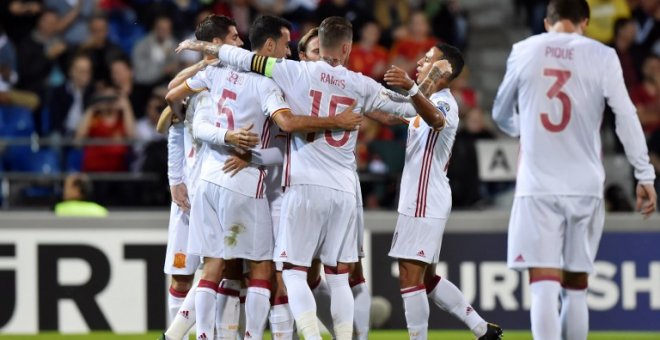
(214, 26)
(454, 57)
(311, 34)
(84, 185)
(335, 31)
(574, 10)
(264, 27)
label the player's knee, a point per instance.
(262, 270)
(182, 283)
(577, 281)
(410, 273)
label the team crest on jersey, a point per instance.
(235, 78)
(179, 260)
(444, 107)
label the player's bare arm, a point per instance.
(436, 73)
(175, 97)
(205, 47)
(395, 76)
(386, 118)
(189, 72)
(346, 120)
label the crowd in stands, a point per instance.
(94, 70)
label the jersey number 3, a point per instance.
(556, 92)
(334, 101)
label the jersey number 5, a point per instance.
(556, 92)
(332, 111)
(224, 110)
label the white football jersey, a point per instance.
(319, 89)
(194, 150)
(425, 190)
(274, 190)
(239, 99)
(560, 82)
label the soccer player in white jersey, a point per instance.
(560, 81)
(184, 151)
(425, 199)
(318, 209)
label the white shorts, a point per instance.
(229, 225)
(418, 238)
(178, 261)
(560, 232)
(316, 222)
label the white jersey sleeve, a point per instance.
(504, 107)
(628, 127)
(204, 127)
(199, 82)
(378, 98)
(269, 156)
(175, 154)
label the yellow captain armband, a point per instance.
(263, 65)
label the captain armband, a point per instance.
(263, 65)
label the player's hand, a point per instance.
(397, 77)
(444, 67)
(646, 199)
(236, 163)
(242, 138)
(349, 120)
(180, 196)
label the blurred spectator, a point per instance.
(19, 17)
(616, 199)
(646, 96)
(70, 99)
(391, 14)
(466, 96)
(450, 24)
(242, 11)
(145, 129)
(647, 17)
(109, 116)
(463, 170)
(340, 8)
(654, 153)
(9, 76)
(77, 195)
(625, 31)
(308, 46)
(604, 14)
(367, 56)
(39, 55)
(188, 58)
(100, 49)
(534, 13)
(411, 48)
(153, 56)
(72, 18)
(122, 79)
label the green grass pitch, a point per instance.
(374, 335)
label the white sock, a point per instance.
(241, 318)
(174, 301)
(184, 319)
(574, 314)
(227, 309)
(257, 306)
(281, 320)
(449, 298)
(205, 307)
(321, 293)
(544, 312)
(301, 302)
(342, 305)
(362, 298)
(416, 306)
